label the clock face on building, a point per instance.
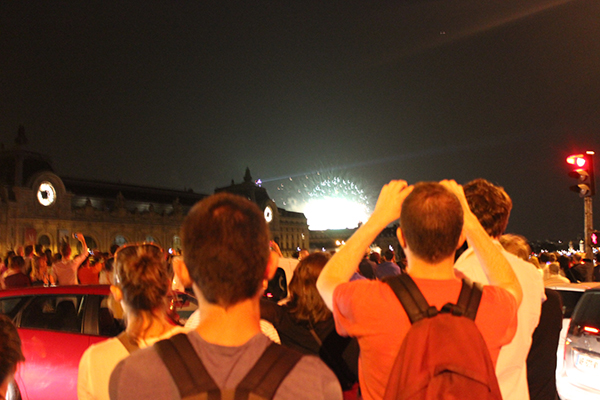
(46, 194)
(268, 214)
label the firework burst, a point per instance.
(328, 200)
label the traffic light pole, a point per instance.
(583, 171)
(588, 226)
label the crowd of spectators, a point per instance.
(334, 305)
(36, 266)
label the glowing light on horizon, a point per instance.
(334, 213)
(329, 202)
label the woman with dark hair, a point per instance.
(10, 353)
(141, 286)
(305, 323)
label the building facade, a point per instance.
(40, 207)
(37, 206)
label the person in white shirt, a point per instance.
(492, 206)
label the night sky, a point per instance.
(187, 94)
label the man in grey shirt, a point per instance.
(227, 258)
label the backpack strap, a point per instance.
(472, 304)
(186, 368)
(468, 300)
(126, 341)
(269, 371)
(410, 297)
(192, 378)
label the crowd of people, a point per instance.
(36, 266)
(341, 325)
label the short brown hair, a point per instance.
(490, 204)
(226, 248)
(431, 221)
(65, 249)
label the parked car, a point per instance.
(570, 294)
(56, 325)
(580, 378)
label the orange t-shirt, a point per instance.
(89, 275)
(370, 311)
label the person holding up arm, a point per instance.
(435, 219)
(66, 269)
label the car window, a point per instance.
(11, 305)
(110, 317)
(587, 312)
(569, 300)
(58, 313)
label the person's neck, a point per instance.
(147, 325)
(418, 268)
(231, 326)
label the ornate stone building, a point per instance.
(39, 207)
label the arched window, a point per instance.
(119, 240)
(44, 241)
(151, 239)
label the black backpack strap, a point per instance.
(468, 300)
(186, 368)
(126, 341)
(471, 305)
(269, 371)
(410, 297)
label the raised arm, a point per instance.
(495, 265)
(81, 239)
(343, 264)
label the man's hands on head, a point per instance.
(469, 217)
(457, 189)
(389, 203)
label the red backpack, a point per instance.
(443, 355)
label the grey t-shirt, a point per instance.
(144, 376)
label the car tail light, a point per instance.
(591, 329)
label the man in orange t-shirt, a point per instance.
(434, 221)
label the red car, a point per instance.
(56, 325)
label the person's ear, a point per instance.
(182, 272)
(400, 236)
(272, 265)
(461, 239)
(116, 292)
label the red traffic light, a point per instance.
(583, 171)
(594, 238)
(578, 160)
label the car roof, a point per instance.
(41, 290)
(574, 287)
